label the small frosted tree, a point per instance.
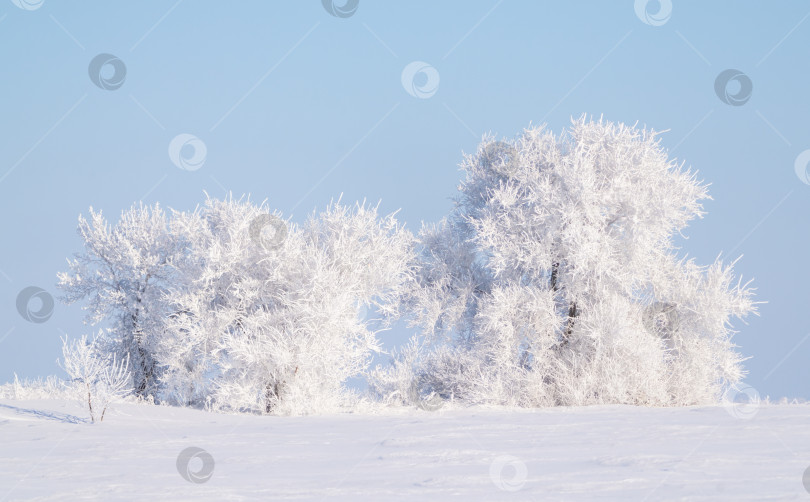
(556, 280)
(97, 378)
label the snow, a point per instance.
(48, 451)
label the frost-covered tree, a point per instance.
(122, 276)
(556, 281)
(97, 378)
(270, 323)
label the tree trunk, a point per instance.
(90, 405)
(143, 359)
(271, 391)
(573, 312)
(555, 270)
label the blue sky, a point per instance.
(297, 106)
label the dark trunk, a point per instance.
(143, 376)
(555, 269)
(271, 395)
(90, 406)
(573, 312)
(273, 390)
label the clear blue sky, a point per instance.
(298, 106)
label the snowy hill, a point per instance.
(49, 452)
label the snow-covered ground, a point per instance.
(49, 452)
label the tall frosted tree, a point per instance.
(122, 276)
(556, 280)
